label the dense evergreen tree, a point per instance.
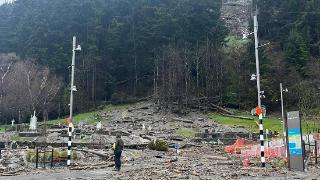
(292, 27)
(119, 38)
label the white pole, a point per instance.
(71, 98)
(263, 161)
(283, 120)
(72, 75)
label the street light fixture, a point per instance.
(78, 48)
(253, 77)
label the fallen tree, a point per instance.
(239, 117)
(94, 152)
(219, 108)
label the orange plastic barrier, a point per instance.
(271, 152)
(239, 145)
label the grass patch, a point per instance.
(229, 121)
(2, 128)
(15, 137)
(88, 117)
(186, 132)
(271, 123)
(31, 155)
(94, 116)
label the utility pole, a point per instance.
(282, 112)
(263, 160)
(282, 116)
(72, 89)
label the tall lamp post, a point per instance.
(282, 115)
(263, 160)
(72, 89)
(256, 77)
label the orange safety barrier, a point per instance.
(271, 152)
(239, 145)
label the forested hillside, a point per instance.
(178, 52)
(293, 28)
(125, 44)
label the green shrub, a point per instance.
(158, 145)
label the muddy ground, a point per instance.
(139, 124)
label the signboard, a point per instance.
(295, 147)
(294, 140)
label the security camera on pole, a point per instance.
(72, 89)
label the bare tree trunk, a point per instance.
(93, 83)
(4, 72)
(135, 53)
(45, 120)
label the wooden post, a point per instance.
(309, 140)
(44, 159)
(316, 151)
(51, 158)
(37, 153)
(303, 150)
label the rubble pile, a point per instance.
(12, 162)
(236, 14)
(140, 124)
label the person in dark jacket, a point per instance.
(117, 152)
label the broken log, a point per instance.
(146, 137)
(94, 152)
(225, 163)
(189, 145)
(91, 167)
(217, 157)
(143, 108)
(176, 138)
(221, 109)
(182, 120)
(136, 146)
(239, 117)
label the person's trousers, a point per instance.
(117, 159)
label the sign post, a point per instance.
(294, 139)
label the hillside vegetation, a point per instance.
(178, 52)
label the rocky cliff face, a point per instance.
(237, 15)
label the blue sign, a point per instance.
(295, 145)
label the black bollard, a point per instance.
(37, 153)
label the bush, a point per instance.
(158, 145)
